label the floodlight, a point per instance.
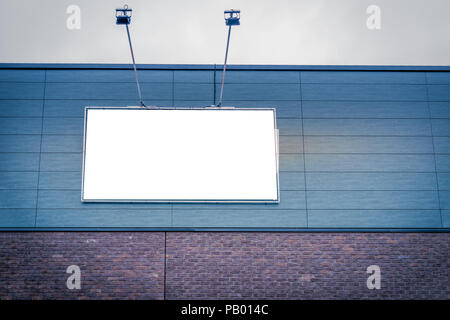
(232, 17)
(123, 15)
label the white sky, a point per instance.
(297, 32)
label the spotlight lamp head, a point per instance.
(232, 17)
(123, 15)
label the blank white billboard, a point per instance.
(180, 155)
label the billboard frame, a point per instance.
(209, 201)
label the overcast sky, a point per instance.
(296, 32)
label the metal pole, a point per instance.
(224, 68)
(135, 71)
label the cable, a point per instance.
(135, 71)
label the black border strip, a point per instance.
(212, 67)
(231, 229)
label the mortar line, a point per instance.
(165, 264)
(214, 84)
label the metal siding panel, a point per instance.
(352, 144)
(370, 127)
(374, 219)
(18, 180)
(193, 91)
(18, 199)
(285, 109)
(291, 200)
(26, 90)
(440, 109)
(70, 199)
(60, 180)
(21, 108)
(193, 76)
(365, 109)
(108, 76)
(383, 200)
(359, 77)
(242, 207)
(364, 92)
(441, 127)
(443, 162)
(233, 76)
(19, 161)
(22, 75)
(370, 181)
(234, 91)
(61, 162)
(446, 218)
(290, 126)
(68, 108)
(101, 218)
(439, 92)
(17, 218)
(20, 143)
(122, 91)
(441, 144)
(193, 103)
(444, 181)
(62, 143)
(288, 200)
(444, 197)
(20, 125)
(75, 108)
(63, 126)
(438, 77)
(292, 181)
(231, 218)
(290, 144)
(370, 162)
(291, 162)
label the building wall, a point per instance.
(359, 149)
(230, 265)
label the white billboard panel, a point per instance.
(180, 155)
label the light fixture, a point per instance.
(232, 18)
(123, 17)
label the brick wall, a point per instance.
(119, 265)
(113, 265)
